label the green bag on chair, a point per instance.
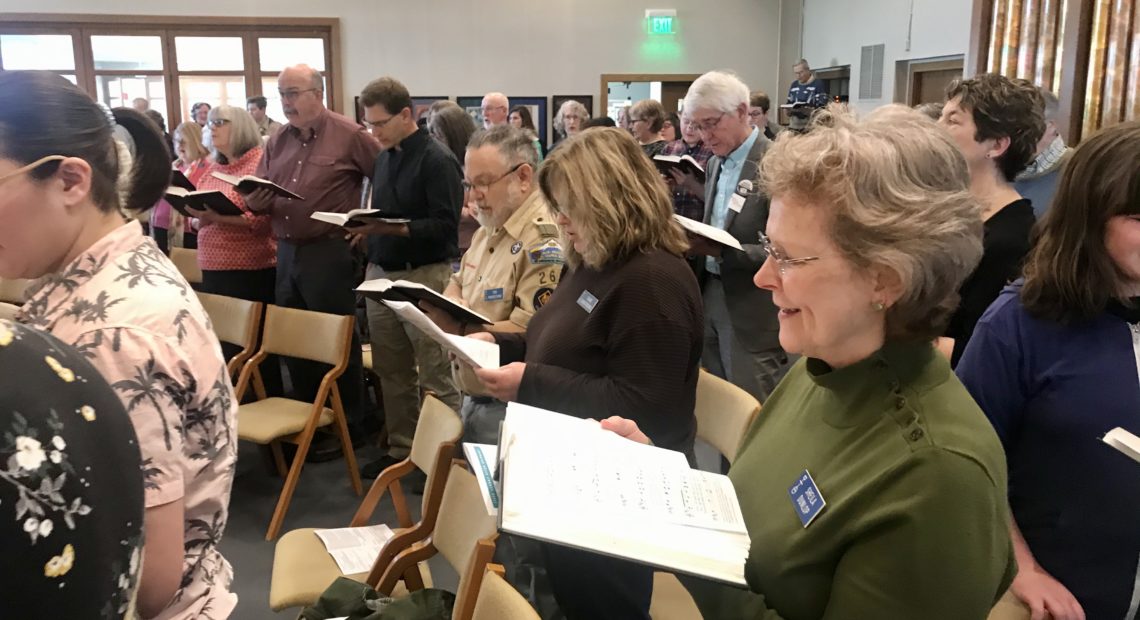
(358, 601)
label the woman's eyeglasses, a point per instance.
(783, 262)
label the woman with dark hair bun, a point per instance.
(68, 185)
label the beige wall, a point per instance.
(524, 48)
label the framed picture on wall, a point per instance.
(538, 112)
(473, 106)
(421, 105)
(558, 100)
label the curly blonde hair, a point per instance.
(613, 194)
(897, 189)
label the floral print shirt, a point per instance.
(124, 306)
(71, 497)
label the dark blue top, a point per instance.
(420, 180)
(814, 93)
(1052, 391)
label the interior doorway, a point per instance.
(618, 90)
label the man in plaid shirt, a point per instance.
(688, 192)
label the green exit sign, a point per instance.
(661, 24)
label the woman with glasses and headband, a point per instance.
(872, 484)
(104, 288)
(620, 335)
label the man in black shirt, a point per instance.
(417, 179)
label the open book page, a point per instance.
(403, 290)
(482, 459)
(477, 353)
(1124, 441)
(709, 232)
(355, 548)
(249, 183)
(569, 481)
(355, 217)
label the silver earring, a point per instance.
(878, 306)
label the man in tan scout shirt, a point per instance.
(513, 264)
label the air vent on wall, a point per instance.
(871, 72)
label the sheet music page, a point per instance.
(711, 232)
(583, 467)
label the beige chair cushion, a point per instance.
(463, 519)
(187, 263)
(1009, 608)
(307, 335)
(230, 317)
(14, 291)
(671, 601)
(437, 424)
(8, 311)
(266, 420)
(302, 570)
(366, 356)
(498, 600)
(724, 413)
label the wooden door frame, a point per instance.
(604, 88)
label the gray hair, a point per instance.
(802, 63)
(570, 105)
(244, 134)
(717, 90)
(515, 145)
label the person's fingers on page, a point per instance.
(625, 428)
(484, 336)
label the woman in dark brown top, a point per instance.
(620, 336)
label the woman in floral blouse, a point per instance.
(71, 509)
(107, 290)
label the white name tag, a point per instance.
(736, 202)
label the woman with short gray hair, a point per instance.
(872, 486)
(570, 118)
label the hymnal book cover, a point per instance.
(383, 289)
(202, 200)
(684, 163)
(248, 183)
(356, 217)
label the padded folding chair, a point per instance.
(724, 413)
(302, 568)
(307, 335)
(187, 263)
(464, 535)
(12, 291)
(236, 321)
(499, 600)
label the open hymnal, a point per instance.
(567, 481)
(476, 353)
(684, 163)
(248, 183)
(709, 232)
(356, 217)
(1124, 441)
(202, 200)
(178, 179)
(383, 289)
(355, 548)
(483, 459)
(792, 106)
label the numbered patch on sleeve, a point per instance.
(547, 252)
(541, 296)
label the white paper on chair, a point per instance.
(477, 353)
(355, 548)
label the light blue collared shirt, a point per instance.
(726, 184)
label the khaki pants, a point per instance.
(406, 360)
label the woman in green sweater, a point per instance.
(872, 484)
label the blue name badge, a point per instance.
(493, 294)
(587, 301)
(806, 498)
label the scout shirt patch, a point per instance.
(541, 296)
(516, 248)
(547, 252)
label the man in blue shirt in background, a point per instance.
(806, 94)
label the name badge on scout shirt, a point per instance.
(587, 301)
(493, 294)
(806, 498)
